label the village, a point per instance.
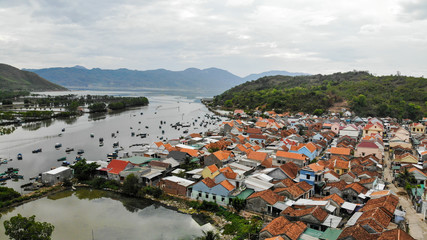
(309, 177)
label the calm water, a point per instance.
(45, 134)
(76, 214)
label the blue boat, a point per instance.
(19, 156)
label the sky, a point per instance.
(241, 36)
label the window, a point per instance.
(222, 199)
(207, 195)
(269, 209)
(200, 194)
(308, 176)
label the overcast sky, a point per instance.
(241, 36)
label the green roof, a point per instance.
(395, 167)
(195, 160)
(331, 234)
(245, 193)
(138, 160)
(313, 233)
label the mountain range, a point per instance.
(214, 79)
(12, 78)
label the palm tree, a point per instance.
(406, 178)
(209, 235)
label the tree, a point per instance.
(22, 228)
(238, 204)
(406, 179)
(84, 171)
(130, 185)
(209, 235)
(8, 194)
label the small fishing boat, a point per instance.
(58, 145)
(92, 135)
(63, 129)
(69, 150)
(80, 151)
(37, 150)
(78, 158)
(65, 163)
(19, 156)
(101, 139)
(101, 144)
(115, 144)
(4, 178)
(62, 159)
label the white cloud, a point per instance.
(241, 36)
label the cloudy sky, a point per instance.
(241, 36)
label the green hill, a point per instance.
(12, 79)
(365, 94)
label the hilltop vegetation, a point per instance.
(365, 94)
(13, 79)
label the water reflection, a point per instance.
(110, 216)
(97, 116)
(33, 126)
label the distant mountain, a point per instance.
(12, 78)
(212, 79)
(191, 78)
(271, 73)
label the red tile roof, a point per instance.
(359, 188)
(222, 154)
(366, 144)
(227, 185)
(282, 226)
(388, 203)
(317, 212)
(290, 169)
(291, 155)
(293, 190)
(357, 232)
(339, 151)
(395, 234)
(209, 182)
(213, 168)
(267, 195)
(116, 166)
(376, 219)
(341, 164)
(258, 156)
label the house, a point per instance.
(351, 131)
(56, 175)
(374, 221)
(405, 158)
(296, 191)
(263, 201)
(366, 148)
(298, 159)
(254, 159)
(312, 174)
(220, 158)
(115, 167)
(176, 185)
(351, 192)
(331, 176)
(257, 138)
(334, 188)
(209, 190)
(388, 203)
(181, 157)
(341, 166)
(417, 128)
(308, 149)
(338, 151)
(373, 129)
(281, 227)
(313, 217)
(210, 171)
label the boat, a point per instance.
(58, 145)
(62, 159)
(92, 135)
(115, 144)
(4, 178)
(65, 163)
(17, 176)
(63, 129)
(19, 156)
(80, 151)
(101, 139)
(101, 144)
(3, 183)
(69, 150)
(37, 150)
(78, 158)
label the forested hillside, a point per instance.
(365, 94)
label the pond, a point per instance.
(106, 215)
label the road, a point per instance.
(417, 226)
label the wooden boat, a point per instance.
(19, 156)
(80, 151)
(62, 159)
(69, 150)
(37, 150)
(58, 145)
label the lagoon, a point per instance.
(75, 214)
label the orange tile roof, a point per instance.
(269, 196)
(258, 156)
(282, 226)
(209, 182)
(275, 238)
(311, 147)
(228, 172)
(294, 190)
(388, 203)
(341, 164)
(222, 154)
(227, 185)
(290, 169)
(317, 212)
(287, 182)
(256, 147)
(339, 151)
(381, 218)
(316, 167)
(291, 155)
(340, 185)
(357, 232)
(194, 135)
(395, 234)
(116, 166)
(268, 163)
(213, 168)
(304, 186)
(261, 124)
(336, 198)
(248, 145)
(191, 152)
(158, 144)
(359, 188)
